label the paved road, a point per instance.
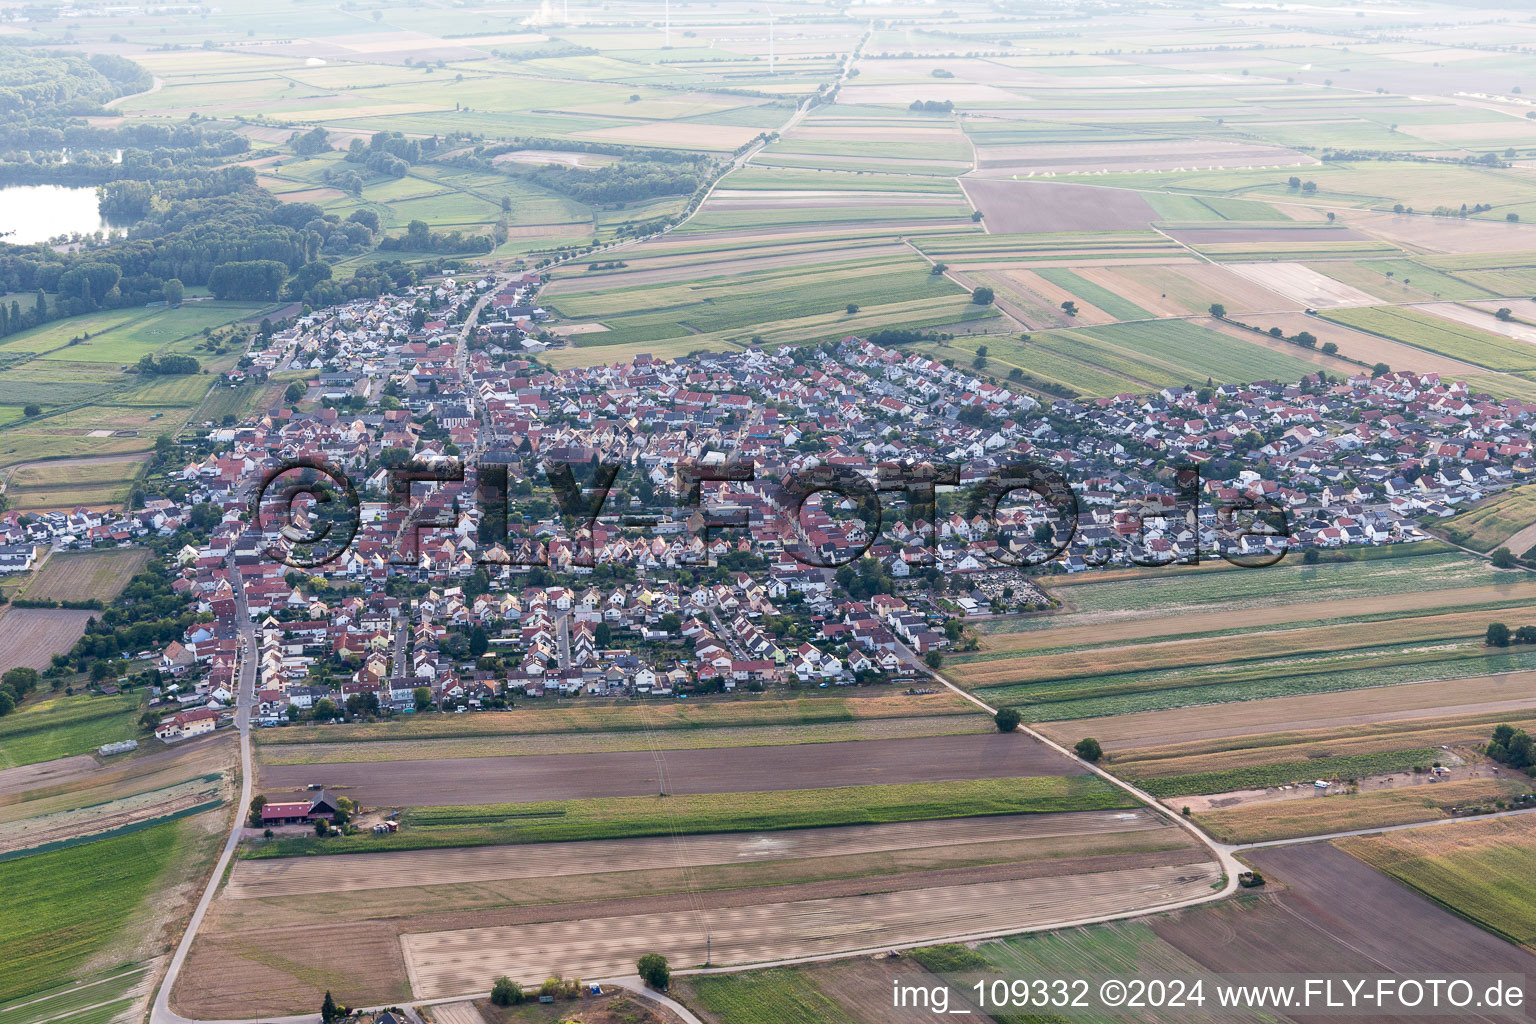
(161, 1012)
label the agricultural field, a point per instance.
(85, 575)
(1289, 819)
(1436, 334)
(44, 728)
(659, 720)
(1504, 521)
(1055, 202)
(509, 745)
(1289, 926)
(684, 772)
(115, 877)
(1474, 869)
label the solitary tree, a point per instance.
(254, 818)
(982, 296)
(653, 970)
(32, 409)
(853, 307)
(1007, 719)
(933, 659)
(1218, 310)
(506, 992)
(1504, 558)
(328, 1011)
(1088, 749)
(1497, 635)
(173, 292)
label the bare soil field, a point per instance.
(638, 773)
(1148, 155)
(255, 879)
(1368, 348)
(1510, 692)
(45, 773)
(1323, 907)
(598, 742)
(1025, 207)
(444, 963)
(1444, 234)
(82, 575)
(1258, 823)
(30, 637)
(1141, 625)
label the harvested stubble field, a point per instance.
(1344, 812)
(444, 963)
(284, 947)
(83, 575)
(1509, 692)
(272, 877)
(1480, 870)
(536, 777)
(600, 742)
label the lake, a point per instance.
(36, 213)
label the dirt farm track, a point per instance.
(477, 780)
